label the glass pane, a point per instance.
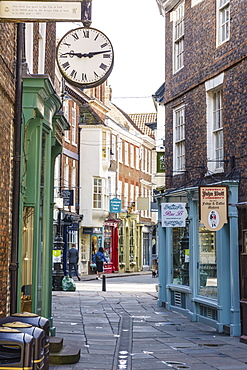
(180, 238)
(207, 263)
(27, 259)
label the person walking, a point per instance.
(73, 257)
(99, 258)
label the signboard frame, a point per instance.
(173, 214)
(213, 204)
(46, 11)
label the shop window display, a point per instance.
(207, 263)
(180, 238)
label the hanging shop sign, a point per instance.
(173, 214)
(213, 201)
(68, 197)
(115, 205)
(45, 11)
(161, 164)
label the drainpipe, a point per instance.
(16, 172)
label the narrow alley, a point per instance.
(123, 328)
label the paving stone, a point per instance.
(158, 336)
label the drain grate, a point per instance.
(122, 358)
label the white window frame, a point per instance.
(178, 38)
(66, 177)
(114, 146)
(132, 193)
(132, 156)
(179, 139)
(126, 153)
(104, 146)
(137, 158)
(120, 150)
(126, 195)
(119, 189)
(73, 126)
(215, 152)
(66, 115)
(97, 193)
(42, 43)
(223, 21)
(73, 184)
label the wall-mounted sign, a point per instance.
(173, 214)
(46, 11)
(213, 201)
(115, 205)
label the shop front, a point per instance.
(198, 264)
(111, 244)
(92, 238)
(130, 243)
(42, 127)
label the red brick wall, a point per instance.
(7, 92)
(50, 49)
(203, 60)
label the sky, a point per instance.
(136, 30)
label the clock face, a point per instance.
(85, 57)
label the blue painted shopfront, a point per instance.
(198, 268)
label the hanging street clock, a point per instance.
(85, 57)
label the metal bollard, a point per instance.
(103, 283)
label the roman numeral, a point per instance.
(106, 55)
(86, 34)
(96, 37)
(66, 44)
(95, 74)
(104, 45)
(62, 56)
(76, 37)
(73, 74)
(66, 65)
(103, 66)
(84, 77)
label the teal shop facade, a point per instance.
(42, 130)
(198, 268)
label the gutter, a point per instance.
(14, 263)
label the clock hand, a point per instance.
(89, 55)
(92, 53)
(79, 55)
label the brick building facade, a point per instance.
(7, 97)
(205, 124)
(41, 133)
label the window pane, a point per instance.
(180, 238)
(207, 263)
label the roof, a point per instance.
(144, 121)
(158, 96)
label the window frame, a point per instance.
(178, 38)
(223, 21)
(97, 193)
(73, 126)
(215, 127)
(179, 139)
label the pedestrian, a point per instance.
(73, 261)
(99, 258)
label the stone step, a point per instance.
(56, 344)
(69, 354)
